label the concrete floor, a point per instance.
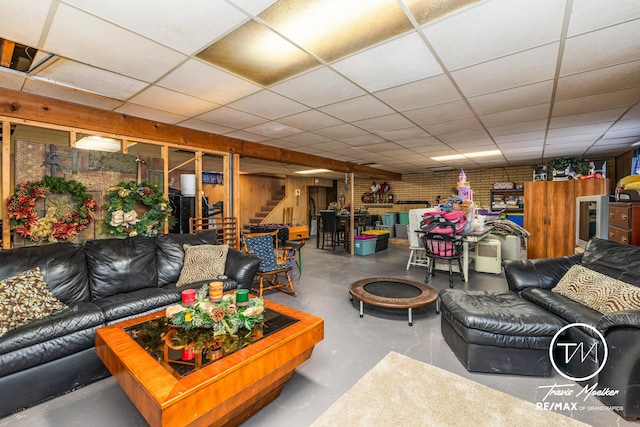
(351, 347)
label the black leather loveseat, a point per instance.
(101, 282)
(511, 331)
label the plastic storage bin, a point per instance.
(403, 218)
(382, 241)
(401, 231)
(390, 228)
(364, 244)
(390, 218)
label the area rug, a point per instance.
(400, 391)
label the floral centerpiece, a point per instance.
(122, 220)
(63, 220)
(206, 323)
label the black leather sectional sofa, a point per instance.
(511, 331)
(102, 282)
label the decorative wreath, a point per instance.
(62, 221)
(122, 220)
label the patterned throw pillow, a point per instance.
(597, 291)
(24, 298)
(203, 262)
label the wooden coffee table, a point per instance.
(393, 293)
(225, 392)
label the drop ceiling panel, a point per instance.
(268, 104)
(150, 113)
(91, 79)
(522, 146)
(341, 131)
(439, 113)
(464, 135)
(187, 28)
(528, 24)
(589, 15)
(204, 81)
(603, 80)
(30, 17)
(362, 107)
(273, 130)
(310, 120)
(63, 93)
(523, 96)
(384, 123)
(423, 93)
(515, 70)
(602, 48)
(306, 138)
(11, 80)
(318, 87)
(90, 40)
(587, 118)
(173, 102)
(206, 126)
(231, 118)
(517, 115)
(403, 60)
(248, 136)
(586, 139)
(253, 7)
(599, 102)
(599, 128)
(400, 135)
(452, 126)
(363, 140)
(502, 140)
(528, 126)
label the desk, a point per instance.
(467, 238)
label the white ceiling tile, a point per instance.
(206, 126)
(173, 102)
(268, 104)
(91, 79)
(586, 139)
(464, 135)
(589, 15)
(602, 48)
(423, 93)
(310, 120)
(254, 7)
(85, 38)
(603, 80)
(598, 102)
(229, 117)
(599, 128)
(64, 93)
(332, 145)
(557, 150)
(318, 87)
(495, 29)
(400, 135)
(306, 138)
(150, 113)
(473, 145)
(528, 126)
(622, 133)
(439, 113)
(607, 151)
(363, 140)
(30, 17)
(188, 28)
(523, 96)
(280, 143)
(273, 129)
(586, 118)
(626, 124)
(416, 142)
(384, 123)
(362, 107)
(341, 131)
(618, 141)
(11, 80)
(518, 138)
(248, 136)
(444, 128)
(204, 81)
(522, 146)
(516, 115)
(402, 60)
(519, 69)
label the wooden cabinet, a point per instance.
(550, 214)
(624, 223)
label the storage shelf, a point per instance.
(517, 192)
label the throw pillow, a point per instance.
(24, 298)
(203, 262)
(591, 288)
(626, 297)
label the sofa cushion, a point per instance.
(563, 307)
(24, 298)
(63, 267)
(120, 265)
(621, 262)
(170, 253)
(203, 262)
(136, 303)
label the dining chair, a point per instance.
(331, 229)
(274, 261)
(442, 243)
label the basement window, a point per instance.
(16, 56)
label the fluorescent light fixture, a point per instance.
(294, 36)
(467, 155)
(313, 171)
(99, 143)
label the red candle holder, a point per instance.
(188, 297)
(188, 354)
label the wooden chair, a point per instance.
(226, 227)
(274, 261)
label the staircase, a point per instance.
(265, 210)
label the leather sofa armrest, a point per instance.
(241, 267)
(619, 318)
(537, 273)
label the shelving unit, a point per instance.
(505, 195)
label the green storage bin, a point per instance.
(403, 218)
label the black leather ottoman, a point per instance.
(498, 332)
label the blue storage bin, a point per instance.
(390, 218)
(364, 245)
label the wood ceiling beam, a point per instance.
(51, 111)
